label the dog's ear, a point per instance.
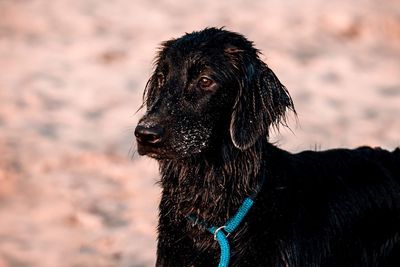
(262, 101)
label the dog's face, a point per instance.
(206, 87)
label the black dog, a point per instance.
(210, 104)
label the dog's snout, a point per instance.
(149, 135)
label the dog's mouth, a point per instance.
(146, 150)
(155, 152)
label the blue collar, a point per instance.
(228, 228)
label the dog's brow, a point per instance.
(194, 69)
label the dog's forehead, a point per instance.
(192, 51)
(208, 39)
(206, 46)
(192, 59)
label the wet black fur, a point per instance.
(339, 207)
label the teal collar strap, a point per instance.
(228, 228)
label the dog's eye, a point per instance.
(205, 83)
(160, 79)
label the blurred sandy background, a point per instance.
(72, 75)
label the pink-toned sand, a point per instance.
(72, 75)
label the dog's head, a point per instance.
(208, 86)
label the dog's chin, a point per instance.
(156, 156)
(160, 153)
(157, 153)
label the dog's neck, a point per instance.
(212, 187)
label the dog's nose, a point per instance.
(150, 135)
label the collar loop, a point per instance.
(229, 227)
